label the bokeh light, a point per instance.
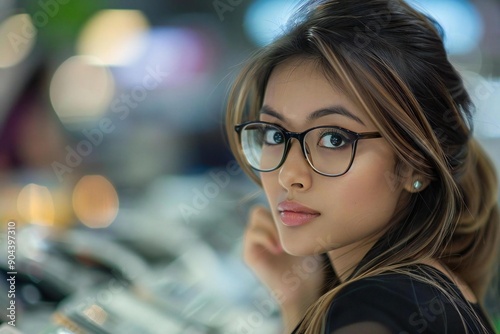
(186, 54)
(266, 19)
(81, 89)
(485, 94)
(35, 205)
(95, 201)
(116, 37)
(17, 38)
(461, 22)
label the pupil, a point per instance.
(335, 140)
(278, 137)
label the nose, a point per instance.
(295, 174)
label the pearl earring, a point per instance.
(417, 185)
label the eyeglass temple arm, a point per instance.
(369, 135)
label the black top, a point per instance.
(397, 303)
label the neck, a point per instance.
(345, 259)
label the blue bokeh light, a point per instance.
(461, 22)
(266, 19)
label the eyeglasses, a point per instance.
(329, 150)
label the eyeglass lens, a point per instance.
(328, 149)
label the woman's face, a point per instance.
(314, 213)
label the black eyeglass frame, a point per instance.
(300, 136)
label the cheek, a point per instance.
(367, 195)
(270, 185)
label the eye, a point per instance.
(332, 139)
(273, 136)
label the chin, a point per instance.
(306, 242)
(302, 248)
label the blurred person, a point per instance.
(383, 206)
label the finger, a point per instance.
(262, 229)
(263, 238)
(259, 215)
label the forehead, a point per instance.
(298, 87)
(306, 73)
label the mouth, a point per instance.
(296, 214)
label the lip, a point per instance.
(296, 214)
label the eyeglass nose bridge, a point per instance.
(288, 144)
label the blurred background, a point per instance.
(128, 206)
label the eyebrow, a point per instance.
(333, 110)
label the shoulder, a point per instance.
(396, 287)
(388, 299)
(397, 303)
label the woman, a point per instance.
(359, 130)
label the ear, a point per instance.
(416, 183)
(410, 180)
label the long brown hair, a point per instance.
(390, 60)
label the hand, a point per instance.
(288, 277)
